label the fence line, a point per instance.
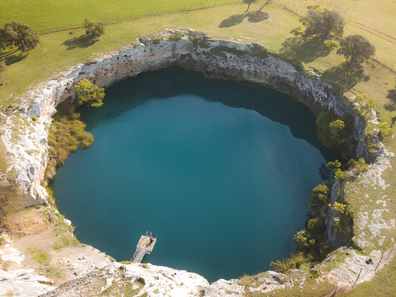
(375, 60)
(142, 17)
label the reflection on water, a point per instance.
(221, 172)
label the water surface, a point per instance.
(220, 172)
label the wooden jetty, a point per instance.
(143, 247)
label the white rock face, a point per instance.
(24, 283)
(11, 254)
(355, 270)
(26, 139)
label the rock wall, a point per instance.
(27, 128)
(26, 139)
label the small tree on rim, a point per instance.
(89, 94)
(356, 49)
(18, 34)
(94, 29)
(323, 22)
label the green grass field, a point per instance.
(59, 50)
(44, 15)
(371, 18)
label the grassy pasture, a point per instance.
(44, 15)
(371, 18)
(61, 50)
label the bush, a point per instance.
(175, 36)
(94, 29)
(66, 135)
(385, 132)
(333, 131)
(320, 197)
(89, 94)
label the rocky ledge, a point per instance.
(26, 137)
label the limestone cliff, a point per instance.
(27, 129)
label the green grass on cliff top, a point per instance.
(61, 50)
(47, 15)
(371, 18)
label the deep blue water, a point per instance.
(221, 172)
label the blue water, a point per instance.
(221, 172)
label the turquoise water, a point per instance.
(220, 172)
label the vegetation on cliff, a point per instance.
(66, 134)
(11, 201)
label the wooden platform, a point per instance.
(144, 247)
(144, 243)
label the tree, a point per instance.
(3, 69)
(89, 94)
(366, 103)
(248, 2)
(386, 132)
(339, 175)
(303, 240)
(320, 197)
(358, 166)
(323, 23)
(94, 29)
(333, 131)
(356, 49)
(18, 34)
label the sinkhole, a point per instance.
(220, 172)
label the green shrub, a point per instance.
(320, 197)
(2, 241)
(94, 29)
(333, 131)
(89, 94)
(385, 132)
(66, 135)
(175, 36)
(40, 256)
(12, 175)
(56, 246)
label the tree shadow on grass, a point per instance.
(391, 106)
(79, 42)
(346, 75)
(232, 21)
(236, 19)
(306, 50)
(257, 16)
(13, 56)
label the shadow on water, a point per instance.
(174, 81)
(79, 42)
